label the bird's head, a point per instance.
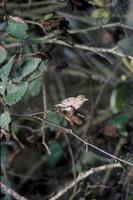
(81, 99)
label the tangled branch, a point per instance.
(81, 177)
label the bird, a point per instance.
(71, 102)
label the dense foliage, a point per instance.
(49, 51)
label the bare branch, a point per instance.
(81, 177)
(11, 192)
(116, 24)
(52, 40)
(96, 50)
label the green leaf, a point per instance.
(57, 153)
(2, 88)
(121, 97)
(35, 85)
(101, 13)
(15, 92)
(30, 66)
(49, 16)
(5, 70)
(100, 2)
(125, 45)
(43, 66)
(123, 132)
(5, 120)
(17, 28)
(128, 64)
(120, 122)
(3, 53)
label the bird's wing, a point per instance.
(65, 103)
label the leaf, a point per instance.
(131, 63)
(2, 88)
(121, 97)
(30, 66)
(120, 122)
(49, 16)
(5, 119)
(100, 3)
(17, 27)
(5, 70)
(3, 53)
(57, 153)
(34, 87)
(15, 92)
(125, 45)
(43, 66)
(101, 13)
(128, 64)
(123, 132)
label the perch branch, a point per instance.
(69, 131)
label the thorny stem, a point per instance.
(66, 130)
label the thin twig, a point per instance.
(11, 192)
(36, 23)
(116, 24)
(81, 177)
(44, 116)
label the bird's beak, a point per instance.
(86, 99)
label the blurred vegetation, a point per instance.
(49, 51)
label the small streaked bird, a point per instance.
(71, 102)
